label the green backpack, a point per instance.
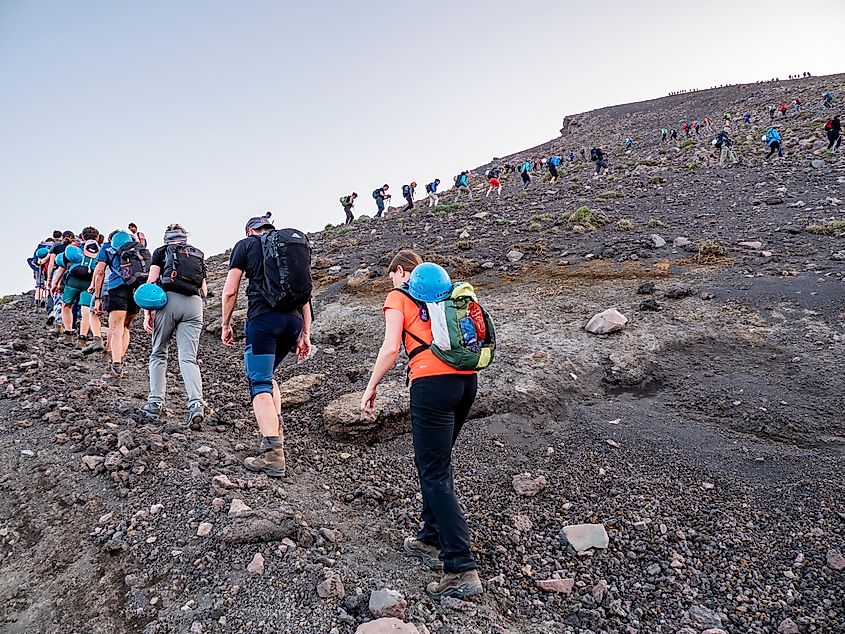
(464, 336)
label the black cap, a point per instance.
(258, 222)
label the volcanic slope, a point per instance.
(707, 436)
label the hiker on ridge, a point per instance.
(462, 184)
(723, 144)
(379, 195)
(828, 99)
(278, 321)
(348, 202)
(493, 182)
(833, 129)
(773, 141)
(431, 190)
(408, 195)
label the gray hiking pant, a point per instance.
(727, 153)
(183, 317)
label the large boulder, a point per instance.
(297, 390)
(391, 416)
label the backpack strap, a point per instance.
(423, 344)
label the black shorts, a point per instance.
(122, 298)
(553, 171)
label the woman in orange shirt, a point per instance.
(441, 398)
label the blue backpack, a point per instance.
(406, 190)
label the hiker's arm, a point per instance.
(303, 346)
(230, 300)
(387, 355)
(155, 273)
(97, 284)
(51, 263)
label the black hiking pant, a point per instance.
(526, 179)
(439, 408)
(410, 204)
(774, 147)
(834, 138)
(349, 216)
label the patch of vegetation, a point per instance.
(541, 218)
(624, 225)
(344, 230)
(655, 223)
(693, 166)
(587, 219)
(6, 299)
(828, 228)
(328, 227)
(686, 143)
(656, 180)
(448, 208)
(649, 162)
(709, 251)
(663, 150)
(610, 195)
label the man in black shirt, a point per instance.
(271, 333)
(180, 269)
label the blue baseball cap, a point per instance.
(257, 222)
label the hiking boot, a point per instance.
(51, 320)
(94, 346)
(117, 369)
(426, 553)
(271, 462)
(68, 338)
(196, 414)
(152, 411)
(458, 585)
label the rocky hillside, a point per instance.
(704, 440)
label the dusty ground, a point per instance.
(722, 488)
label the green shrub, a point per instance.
(655, 223)
(693, 166)
(624, 225)
(587, 219)
(686, 143)
(828, 228)
(328, 227)
(344, 230)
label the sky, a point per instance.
(207, 112)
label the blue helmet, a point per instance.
(150, 297)
(60, 260)
(73, 254)
(119, 239)
(43, 252)
(429, 283)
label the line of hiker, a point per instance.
(446, 333)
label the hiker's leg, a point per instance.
(188, 329)
(163, 326)
(117, 325)
(127, 332)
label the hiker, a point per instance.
(833, 128)
(493, 182)
(553, 163)
(685, 128)
(128, 262)
(66, 238)
(77, 276)
(441, 398)
(673, 134)
(629, 143)
(783, 108)
(137, 235)
(773, 141)
(797, 104)
(694, 126)
(278, 321)
(828, 100)
(431, 190)
(723, 144)
(571, 156)
(746, 118)
(179, 271)
(664, 135)
(597, 155)
(348, 202)
(708, 123)
(379, 195)
(462, 183)
(583, 152)
(525, 172)
(408, 194)
(772, 111)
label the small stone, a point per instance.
(585, 536)
(613, 443)
(92, 462)
(653, 569)
(155, 509)
(387, 602)
(681, 242)
(556, 585)
(611, 320)
(599, 590)
(835, 559)
(756, 245)
(331, 586)
(256, 566)
(387, 626)
(817, 163)
(788, 626)
(657, 241)
(204, 529)
(237, 507)
(331, 535)
(646, 288)
(334, 270)
(707, 486)
(528, 486)
(515, 256)
(703, 618)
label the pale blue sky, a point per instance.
(206, 112)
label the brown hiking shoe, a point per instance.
(271, 462)
(426, 553)
(458, 585)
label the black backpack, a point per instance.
(183, 268)
(406, 190)
(287, 269)
(428, 188)
(594, 155)
(132, 263)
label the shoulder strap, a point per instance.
(423, 344)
